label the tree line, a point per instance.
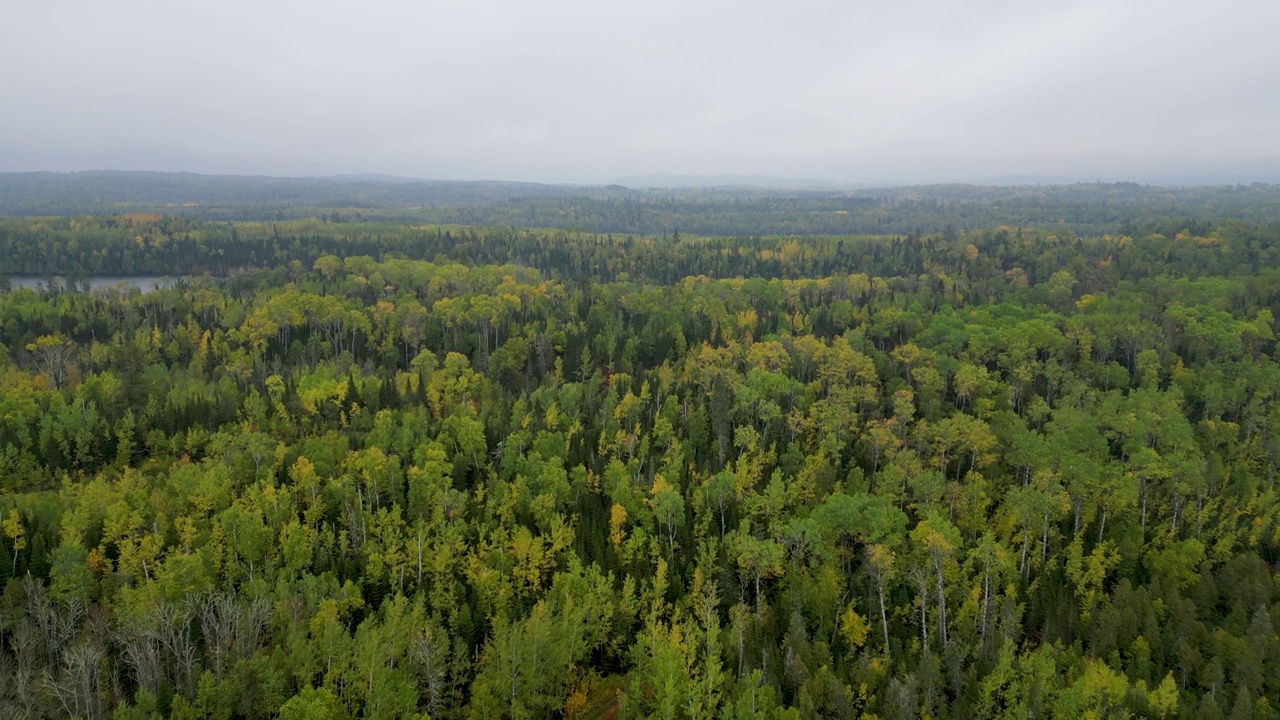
(143, 244)
(1086, 208)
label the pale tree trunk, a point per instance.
(884, 621)
(942, 603)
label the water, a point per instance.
(145, 283)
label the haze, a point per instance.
(578, 91)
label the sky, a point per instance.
(590, 91)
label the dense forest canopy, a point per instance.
(380, 469)
(143, 243)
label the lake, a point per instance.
(145, 283)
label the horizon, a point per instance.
(659, 181)
(921, 92)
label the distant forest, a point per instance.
(1092, 208)
(474, 451)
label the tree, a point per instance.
(758, 560)
(320, 704)
(1164, 698)
(668, 508)
(880, 565)
(54, 356)
(16, 533)
(938, 538)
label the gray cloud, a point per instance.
(578, 90)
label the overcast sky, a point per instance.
(593, 90)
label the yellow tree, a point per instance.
(16, 533)
(53, 355)
(938, 538)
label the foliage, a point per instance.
(1004, 474)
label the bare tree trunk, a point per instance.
(25, 641)
(175, 634)
(428, 653)
(142, 652)
(884, 621)
(79, 685)
(942, 603)
(1026, 541)
(921, 578)
(219, 616)
(1044, 542)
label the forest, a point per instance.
(349, 466)
(1087, 208)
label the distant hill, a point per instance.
(671, 180)
(117, 191)
(718, 209)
